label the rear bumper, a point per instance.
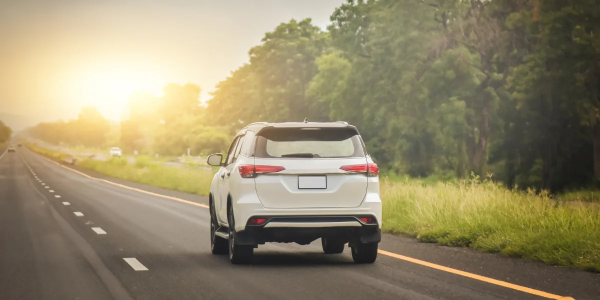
(305, 229)
(249, 206)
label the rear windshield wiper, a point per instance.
(304, 155)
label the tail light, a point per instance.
(250, 171)
(256, 221)
(372, 170)
(368, 220)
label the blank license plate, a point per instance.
(312, 182)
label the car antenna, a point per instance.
(305, 120)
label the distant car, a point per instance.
(11, 149)
(115, 151)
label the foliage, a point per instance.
(490, 217)
(56, 155)
(273, 86)
(580, 195)
(438, 86)
(190, 180)
(5, 133)
(89, 129)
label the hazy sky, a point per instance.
(57, 56)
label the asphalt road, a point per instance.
(104, 241)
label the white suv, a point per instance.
(295, 182)
(114, 151)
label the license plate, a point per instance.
(312, 182)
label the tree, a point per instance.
(91, 127)
(5, 133)
(273, 86)
(178, 100)
(137, 132)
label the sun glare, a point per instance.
(108, 89)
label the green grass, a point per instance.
(190, 180)
(489, 217)
(196, 181)
(581, 195)
(56, 155)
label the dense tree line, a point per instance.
(509, 87)
(166, 125)
(5, 133)
(171, 124)
(89, 129)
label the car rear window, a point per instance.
(309, 143)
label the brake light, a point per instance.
(250, 171)
(368, 220)
(355, 168)
(256, 221)
(372, 170)
(246, 171)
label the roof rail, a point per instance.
(255, 123)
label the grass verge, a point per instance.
(190, 180)
(489, 217)
(56, 155)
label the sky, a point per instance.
(57, 56)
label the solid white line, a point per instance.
(79, 214)
(66, 203)
(98, 230)
(135, 264)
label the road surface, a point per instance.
(65, 235)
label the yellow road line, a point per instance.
(474, 276)
(383, 252)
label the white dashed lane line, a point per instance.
(66, 203)
(47, 187)
(51, 191)
(79, 214)
(135, 264)
(98, 230)
(57, 196)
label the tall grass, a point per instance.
(489, 217)
(47, 152)
(592, 195)
(190, 180)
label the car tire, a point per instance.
(364, 253)
(332, 246)
(218, 245)
(238, 254)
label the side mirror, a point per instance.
(214, 159)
